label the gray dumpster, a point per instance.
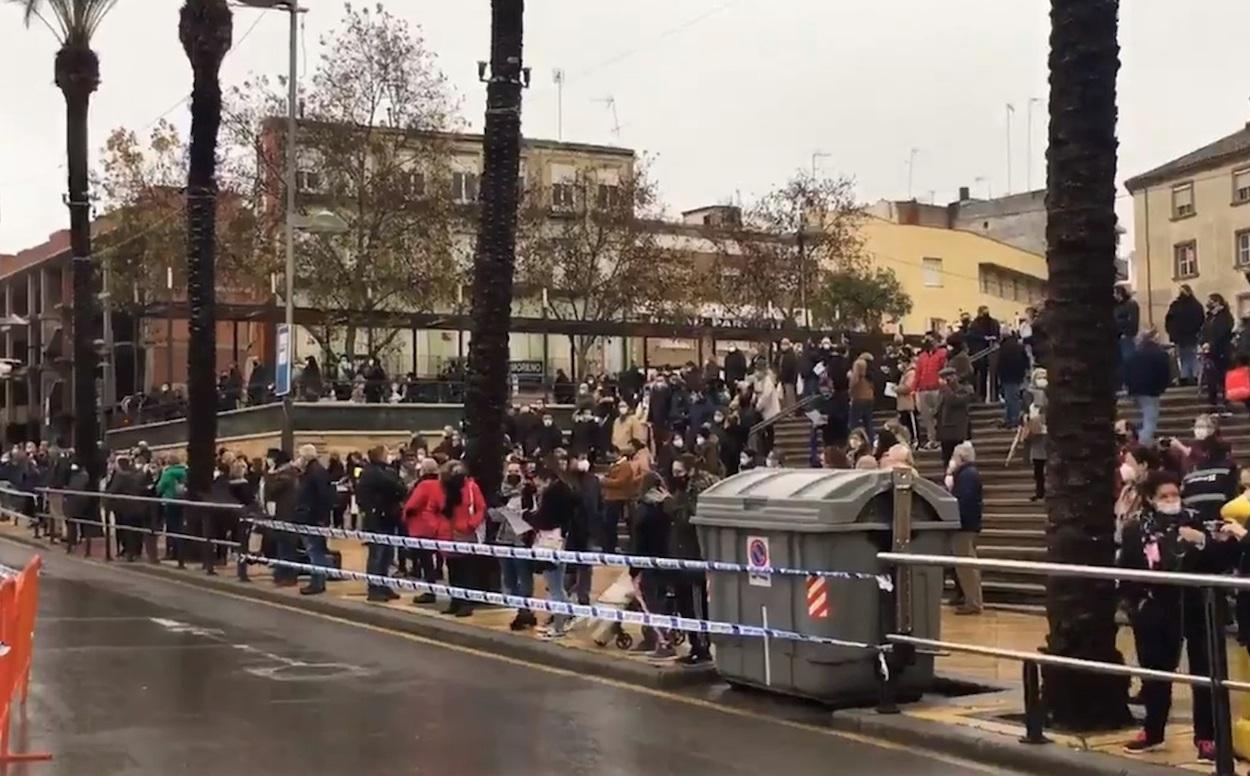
(827, 520)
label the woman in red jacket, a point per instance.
(423, 520)
(450, 508)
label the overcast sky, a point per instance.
(730, 97)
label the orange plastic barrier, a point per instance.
(19, 599)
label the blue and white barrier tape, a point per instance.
(884, 582)
(594, 612)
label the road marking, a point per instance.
(672, 697)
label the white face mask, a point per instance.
(547, 422)
(1203, 431)
(1128, 472)
(678, 442)
(583, 466)
(1168, 507)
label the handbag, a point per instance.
(549, 540)
(1237, 384)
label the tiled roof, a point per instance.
(1220, 152)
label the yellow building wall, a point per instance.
(903, 249)
(1213, 226)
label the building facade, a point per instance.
(1192, 226)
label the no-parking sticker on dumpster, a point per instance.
(759, 557)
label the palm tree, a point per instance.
(205, 28)
(1080, 236)
(493, 264)
(77, 72)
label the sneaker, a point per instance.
(694, 659)
(664, 652)
(552, 634)
(424, 598)
(967, 609)
(1206, 751)
(642, 648)
(1142, 744)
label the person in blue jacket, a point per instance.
(963, 480)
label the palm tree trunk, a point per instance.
(487, 391)
(78, 75)
(1080, 235)
(205, 29)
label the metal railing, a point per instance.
(1212, 587)
(785, 412)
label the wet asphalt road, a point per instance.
(139, 677)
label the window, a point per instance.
(1241, 186)
(1183, 200)
(1241, 251)
(937, 325)
(464, 187)
(608, 197)
(414, 183)
(932, 273)
(307, 181)
(562, 196)
(1186, 260)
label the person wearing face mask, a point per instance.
(1033, 431)
(1184, 327)
(545, 438)
(1136, 463)
(422, 520)
(1217, 340)
(626, 427)
(551, 521)
(461, 510)
(1165, 536)
(954, 400)
(619, 489)
(589, 518)
(1213, 477)
(516, 575)
(788, 373)
(689, 588)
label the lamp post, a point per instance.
(319, 223)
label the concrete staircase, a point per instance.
(1014, 526)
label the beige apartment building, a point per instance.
(1192, 225)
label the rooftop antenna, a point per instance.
(610, 101)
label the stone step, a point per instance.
(1012, 537)
(1013, 552)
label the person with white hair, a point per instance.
(314, 500)
(964, 482)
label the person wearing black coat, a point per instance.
(1013, 370)
(1184, 327)
(983, 333)
(735, 368)
(130, 514)
(659, 405)
(82, 513)
(554, 521)
(632, 381)
(1127, 316)
(1217, 340)
(376, 383)
(788, 374)
(544, 438)
(314, 500)
(964, 483)
(1147, 374)
(380, 495)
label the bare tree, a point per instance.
(373, 150)
(603, 256)
(772, 257)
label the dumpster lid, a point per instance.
(809, 499)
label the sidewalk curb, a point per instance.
(523, 648)
(992, 748)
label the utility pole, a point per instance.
(557, 77)
(1029, 143)
(816, 155)
(911, 170)
(108, 398)
(1011, 111)
(801, 242)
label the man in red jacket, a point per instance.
(929, 366)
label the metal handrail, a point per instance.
(1070, 570)
(1035, 715)
(991, 350)
(784, 413)
(124, 497)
